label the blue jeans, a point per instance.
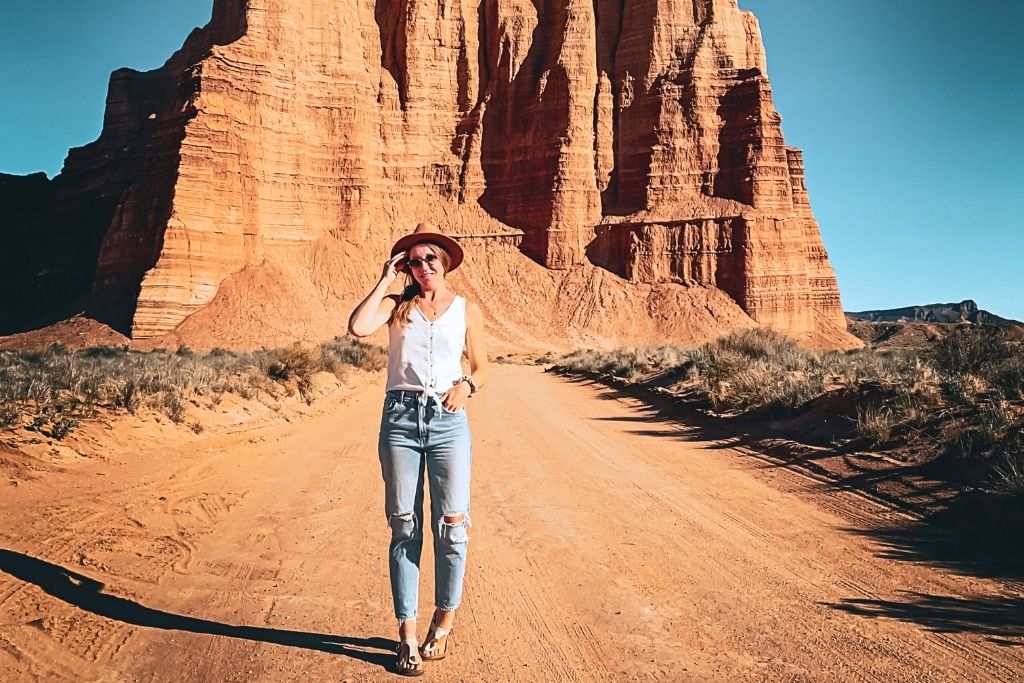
(416, 431)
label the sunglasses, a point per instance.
(416, 262)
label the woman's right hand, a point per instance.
(391, 267)
(375, 310)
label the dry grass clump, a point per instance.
(345, 352)
(54, 389)
(1008, 471)
(630, 363)
(758, 368)
(971, 350)
(1007, 377)
(982, 377)
(876, 423)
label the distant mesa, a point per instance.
(965, 311)
(615, 177)
(920, 326)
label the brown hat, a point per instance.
(426, 233)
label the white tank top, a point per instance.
(426, 356)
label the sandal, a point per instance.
(436, 644)
(409, 663)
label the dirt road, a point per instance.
(607, 545)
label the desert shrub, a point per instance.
(1008, 376)
(61, 426)
(246, 392)
(966, 441)
(971, 350)
(8, 415)
(983, 432)
(747, 369)
(964, 391)
(758, 368)
(667, 358)
(761, 387)
(876, 423)
(173, 407)
(127, 395)
(583, 360)
(291, 363)
(67, 385)
(1008, 471)
(884, 368)
(714, 365)
(630, 363)
(768, 345)
(914, 406)
(345, 351)
(102, 352)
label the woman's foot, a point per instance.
(409, 662)
(435, 645)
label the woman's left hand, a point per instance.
(455, 398)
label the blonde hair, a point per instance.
(410, 297)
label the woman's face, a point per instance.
(426, 266)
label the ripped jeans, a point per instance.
(417, 432)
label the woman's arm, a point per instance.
(476, 347)
(375, 310)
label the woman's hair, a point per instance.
(411, 294)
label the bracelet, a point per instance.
(468, 380)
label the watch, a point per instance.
(468, 380)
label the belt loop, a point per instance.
(420, 406)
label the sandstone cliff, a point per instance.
(618, 172)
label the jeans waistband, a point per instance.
(421, 397)
(403, 394)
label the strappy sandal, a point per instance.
(435, 646)
(409, 663)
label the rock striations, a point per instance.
(617, 170)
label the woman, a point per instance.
(424, 423)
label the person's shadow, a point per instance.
(85, 593)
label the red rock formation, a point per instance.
(279, 153)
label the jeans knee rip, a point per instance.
(454, 532)
(403, 525)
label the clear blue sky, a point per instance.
(908, 111)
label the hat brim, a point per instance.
(443, 241)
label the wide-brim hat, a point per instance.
(427, 233)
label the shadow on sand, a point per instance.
(967, 533)
(87, 594)
(997, 618)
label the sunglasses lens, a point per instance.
(416, 262)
